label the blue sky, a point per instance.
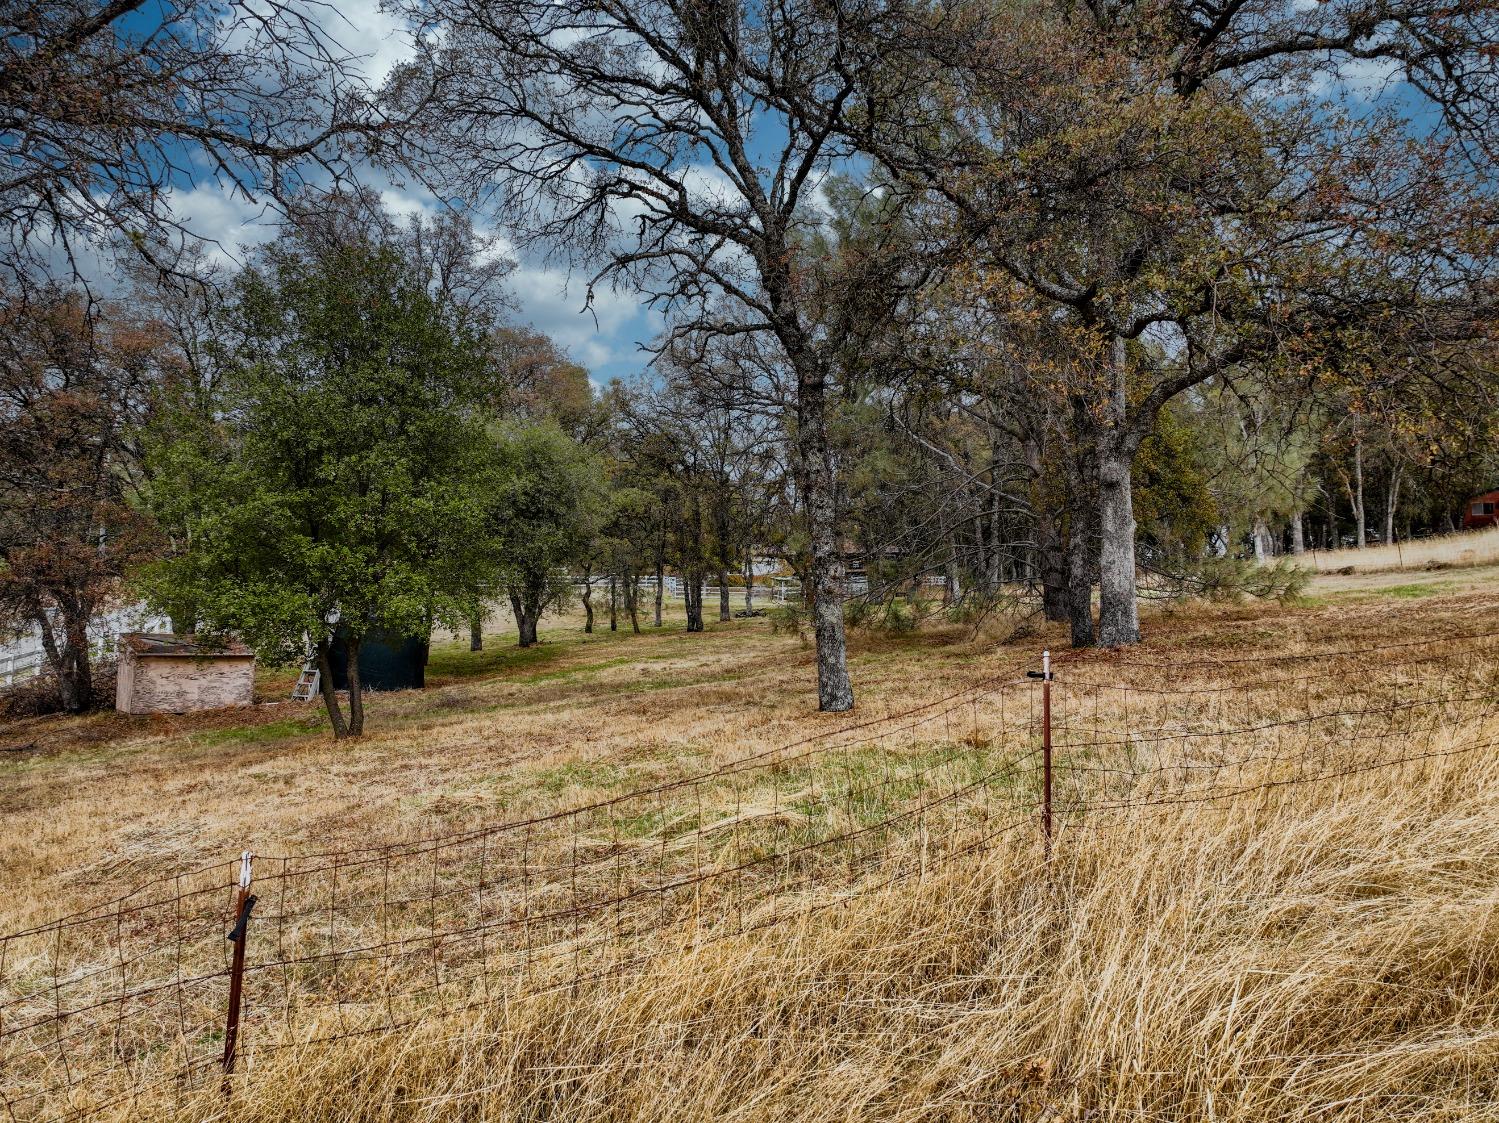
(606, 337)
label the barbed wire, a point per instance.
(126, 999)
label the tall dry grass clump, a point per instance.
(1321, 950)
(1460, 550)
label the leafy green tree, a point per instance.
(544, 504)
(1173, 502)
(1129, 167)
(335, 483)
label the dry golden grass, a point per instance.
(1316, 948)
(1319, 959)
(1467, 548)
(109, 800)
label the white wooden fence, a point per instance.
(671, 589)
(25, 657)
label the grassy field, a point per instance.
(1274, 892)
(1448, 551)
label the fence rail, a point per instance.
(26, 658)
(155, 993)
(18, 666)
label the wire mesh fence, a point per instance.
(132, 997)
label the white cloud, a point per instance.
(373, 39)
(404, 204)
(226, 223)
(227, 220)
(603, 337)
(364, 29)
(1368, 79)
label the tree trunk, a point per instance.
(1261, 535)
(53, 652)
(631, 592)
(721, 533)
(1051, 552)
(1118, 613)
(587, 602)
(476, 632)
(1392, 503)
(1357, 496)
(1298, 536)
(692, 597)
(1053, 565)
(613, 603)
(980, 542)
(660, 578)
(1080, 579)
(525, 620)
(693, 561)
(990, 530)
(356, 689)
(64, 663)
(835, 693)
(325, 688)
(1118, 608)
(952, 586)
(76, 683)
(749, 581)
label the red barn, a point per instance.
(1481, 510)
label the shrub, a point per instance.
(39, 695)
(1235, 578)
(788, 619)
(1282, 581)
(974, 607)
(857, 613)
(898, 618)
(892, 617)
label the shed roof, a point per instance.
(196, 647)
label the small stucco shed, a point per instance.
(166, 674)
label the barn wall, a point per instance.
(124, 680)
(1475, 522)
(180, 685)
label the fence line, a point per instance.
(133, 997)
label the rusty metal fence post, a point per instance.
(244, 902)
(1046, 750)
(1045, 677)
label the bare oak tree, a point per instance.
(72, 395)
(678, 146)
(112, 105)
